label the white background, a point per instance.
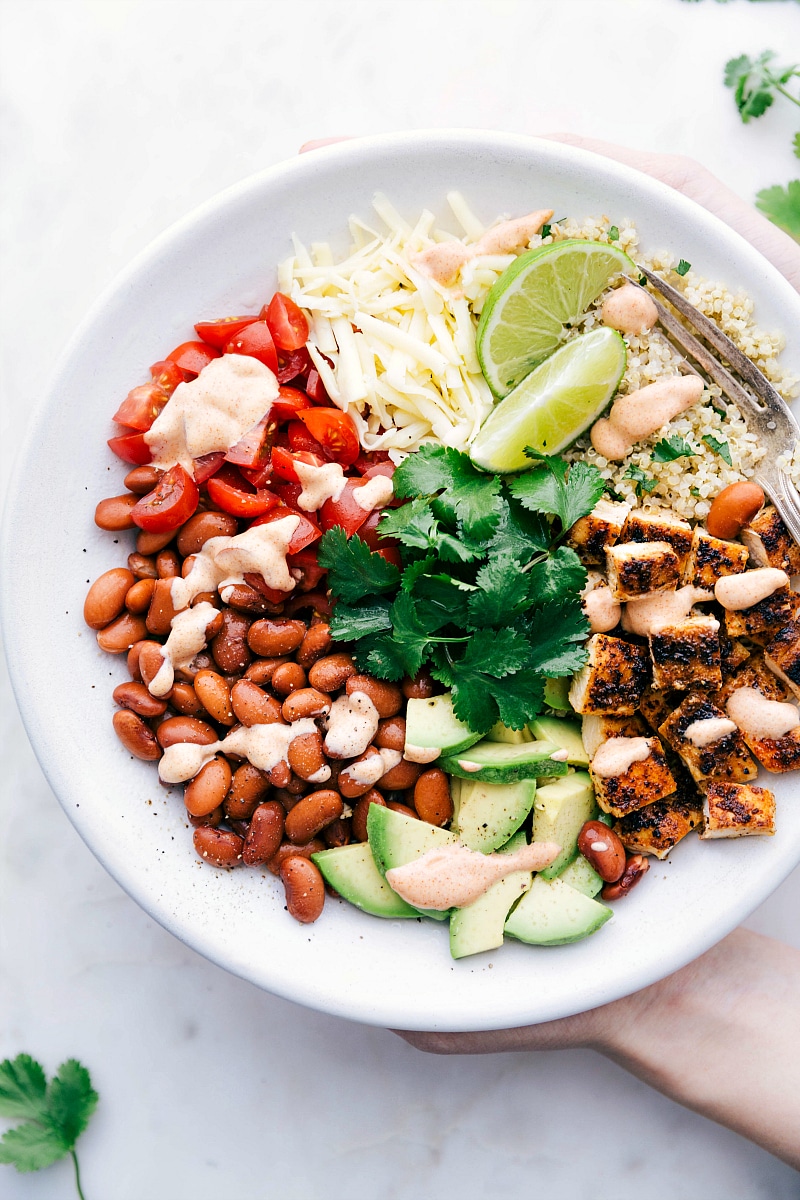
(118, 116)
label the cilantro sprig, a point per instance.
(488, 597)
(54, 1114)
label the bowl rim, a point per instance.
(310, 167)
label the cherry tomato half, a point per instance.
(192, 357)
(219, 333)
(288, 324)
(301, 439)
(315, 388)
(141, 406)
(344, 511)
(387, 547)
(252, 450)
(233, 495)
(306, 561)
(171, 502)
(208, 465)
(283, 462)
(305, 533)
(259, 583)
(335, 432)
(290, 402)
(256, 340)
(131, 448)
(297, 363)
(167, 375)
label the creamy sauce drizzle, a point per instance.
(735, 592)
(223, 561)
(350, 726)
(651, 613)
(708, 730)
(374, 493)
(187, 638)
(370, 770)
(641, 413)
(602, 610)
(759, 718)
(262, 745)
(618, 754)
(629, 309)
(319, 484)
(444, 261)
(213, 411)
(421, 754)
(453, 876)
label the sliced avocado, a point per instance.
(352, 872)
(560, 809)
(552, 913)
(479, 926)
(556, 693)
(565, 734)
(498, 762)
(432, 725)
(582, 876)
(514, 737)
(488, 813)
(395, 839)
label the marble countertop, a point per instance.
(119, 116)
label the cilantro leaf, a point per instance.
(71, 1100)
(613, 234)
(417, 570)
(520, 698)
(560, 575)
(519, 533)
(350, 624)
(545, 230)
(549, 489)
(502, 592)
(380, 656)
(644, 483)
(471, 496)
(796, 145)
(416, 526)
(683, 267)
(447, 604)
(353, 570)
(670, 448)
(23, 1085)
(755, 82)
(30, 1147)
(720, 448)
(478, 675)
(782, 205)
(57, 1114)
(554, 632)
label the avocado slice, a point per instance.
(552, 913)
(556, 693)
(582, 876)
(352, 872)
(395, 839)
(514, 737)
(479, 926)
(498, 762)
(432, 725)
(559, 812)
(565, 734)
(488, 813)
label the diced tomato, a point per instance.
(253, 449)
(387, 469)
(301, 439)
(141, 406)
(259, 583)
(315, 388)
(256, 340)
(171, 502)
(335, 431)
(234, 495)
(289, 403)
(288, 324)
(167, 375)
(258, 476)
(305, 533)
(368, 458)
(131, 448)
(344, 511)
(208, 465)
(369, 534)
(219, 333)
(392, 555)
(296, 364)
(289, 493)
(192, 357)
(283, 462)
(306, 561)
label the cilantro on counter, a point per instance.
(720, 448)
(756, 82)
(670, 448)
(782, 205)
(54, 1114)
(488, 597)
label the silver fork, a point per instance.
(764, 410)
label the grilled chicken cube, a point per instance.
(754, 674)
(642, 526)
(762, 621)
(613, 679)
(686, 654)
(598, 728)
(656, 706)
(732, 654)
(727, 757)
(778, 755)
(637, 569)
(711, 558)
(590, 536)
(736, 810)
(644, 782)
(656, 828)
(769, 542)
(782, 655)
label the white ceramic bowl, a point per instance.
(222, 259)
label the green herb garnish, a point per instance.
(613, 234)
(668, 449)
(545, 230)
(683, 267)
(756, 82)
(782, 206)
(644, 483)
(720, 448)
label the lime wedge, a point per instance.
(554, 404)
(527, 310)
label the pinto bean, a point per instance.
(733, 508)
(121, 634)
(288, 678)
(151, 543)
(420, 687)
(185, 729)
(143, 566)
(391, 734)
(150, 661)
(308, 702)
(306, 757)
(305, 889)
(138, 597)
(200, 662)
(219, 847)
(404, 775)
(209, 787)
(635, 868)
(338, 833)
(246, 599)
(403, 809)
(272, 637)
(262, 670)
(105, 599)
(137, 698)
(602, 849)
(203, 526)
(161, 610)
(332, 672)
(312, 814)
(316, 642)
(248, 788)
(168, 564)
(229, 647)
(133, 661)
(214, 694)
(350, 782)
(281, 774)
(387, 697)
(212, 819)
(114, 513)
(253, 706)
(183, 699)
(360, 812)
(289, 850)
(265, 833)
(142, 479)
(432, 798)
(137, 738)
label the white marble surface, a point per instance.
(118, 116)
